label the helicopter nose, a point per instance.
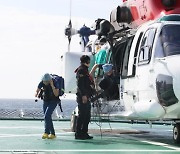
(176, 85)
(174, 70)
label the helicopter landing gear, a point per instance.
(176, 133)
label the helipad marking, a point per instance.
(162, 144)
(155, 143)
(15, 127)
(174, 149)
(26, 135)
(90, 150)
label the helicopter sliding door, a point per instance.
(144, 69)
(136, 68)
(127, 75)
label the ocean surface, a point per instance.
(29, 109)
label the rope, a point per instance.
(98, 114)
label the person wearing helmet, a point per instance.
(110, 82)
(50, 100)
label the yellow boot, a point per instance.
(51, 136)
(45, 135)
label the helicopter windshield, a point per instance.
(169, 41)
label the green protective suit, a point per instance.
(100, 57)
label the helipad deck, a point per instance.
(19, 137)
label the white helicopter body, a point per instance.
(149, 73)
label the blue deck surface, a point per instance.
(23, 136)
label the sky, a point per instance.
(32, 39)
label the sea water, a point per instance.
(29, 109)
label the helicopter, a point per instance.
(144, 39)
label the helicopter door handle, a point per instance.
(129, 92)
(151, 70)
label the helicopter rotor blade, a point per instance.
(67, 32)
(70, 35)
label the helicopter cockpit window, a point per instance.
(169, 41)
(146, 47)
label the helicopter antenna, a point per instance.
(70, 9)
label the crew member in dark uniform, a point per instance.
(85, 86)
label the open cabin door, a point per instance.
(136, 70)
(127, 75)
(144, 69)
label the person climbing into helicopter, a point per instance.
(100, 58)
(109, 84)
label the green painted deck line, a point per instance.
(16, 135)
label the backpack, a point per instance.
(60, 81)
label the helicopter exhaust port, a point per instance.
(169, 4)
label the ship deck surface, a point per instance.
(24, 137)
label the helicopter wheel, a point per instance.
(176, 133)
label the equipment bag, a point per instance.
(60, 81)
